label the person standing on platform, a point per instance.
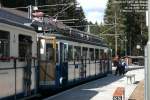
(123, 66)
(118, 65)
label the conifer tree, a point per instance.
(130, 24)
(113, 22)
(73, 12)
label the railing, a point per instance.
(83, 68)
(12, 70)
(16, 73)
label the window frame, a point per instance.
(77, 53)
(97, 54)
(27, 43)
(70, 52)
(91, 54)
(5, 36)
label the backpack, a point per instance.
(119, 63)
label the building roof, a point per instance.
(136, 57)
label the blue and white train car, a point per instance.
(69, 57)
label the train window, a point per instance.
(25, 46)
(92, 54)
(42, 46)
(49, 52)
(77, 53)
(105, 53)
(97, 54)
(70, 53)
(4, 44)
(57, 53)
(65, 52)
(84, 52)
(101, 54)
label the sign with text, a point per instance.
(132, 5)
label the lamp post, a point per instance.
(138, 47)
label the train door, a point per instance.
(83, 73)
(62, 67)
(47, 61)
(25, 55)
(101, 61)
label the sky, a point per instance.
(94, 9)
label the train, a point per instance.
(33, 61)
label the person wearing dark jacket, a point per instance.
(123, 65)
(118, 65)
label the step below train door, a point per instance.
(47, 61)
(62, 66)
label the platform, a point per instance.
(101, 89)
(138, 93)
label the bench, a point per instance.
(130, 77)
(119, 94)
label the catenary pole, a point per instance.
(116, 34)
(148, 57)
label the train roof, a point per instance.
(20, 18)
(14, 17)
(66, 32)
(60, 25)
